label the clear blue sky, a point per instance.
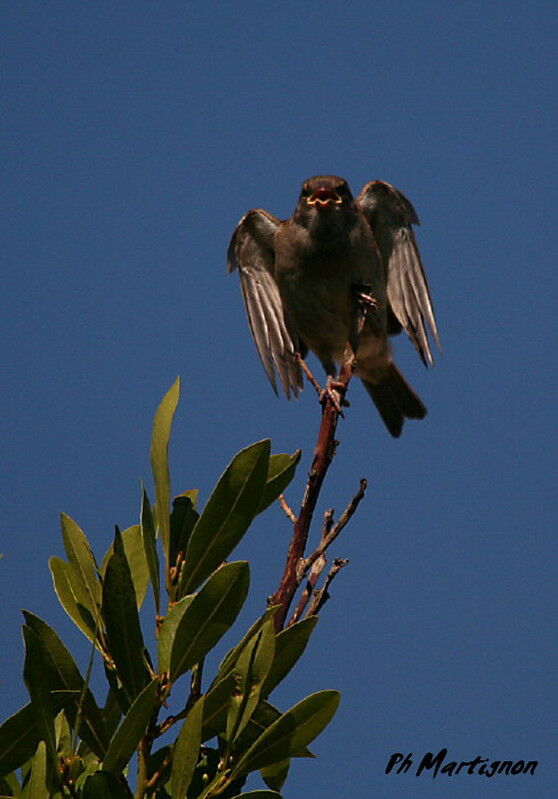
(135, 137)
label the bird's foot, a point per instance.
(333, 392)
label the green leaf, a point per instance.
(291, 732)
(132, 729)
(67, 585)
(167, 632)
(186, 751)
(182, 522)
(80, 556)
(261, 794)
(121, 618)
(162, 425)
(228, 662)
(135, 555)
(250, 672)
(19, 737)
(103, 785)
(44, 709)
(36, 787)
(227, 515)
(63, 736)
(59, 672)
(215, 707)
(209, 616)
(150, 548)
(281, 471)
(9, 786)
(275, 774)
(263, 717)
(289, 646)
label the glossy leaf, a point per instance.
(67, 587)
(209, 616)
(228, 662)
(291, 732)
(227, 515)
(289, 646)
(275, 774)
(250, 672)
(150, 548)
(263, 717)
(162, 425)
(135, 555)
(186, 751)
(60, 672)
(182, 521)
(167, 632)
(103, 785)
(128, 735)
(19, 737)
(80, 556)
(9, 785)
(215, 707)
(121, 618)
(281, 470)
(44, 709)
(36, 787)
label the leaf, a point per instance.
(291, 732)
(80, 556)
(121, 618)
(227, 515)
(44, 709)
(250, 672)
(19, 737)
(167, 632)
(275, 774)
(186, 751)
(261, 794)
(162, 425)
(281, 470)
(150, 548)
(263, 717)
(132, 729)
(67, 586)
(209, 616)
(36, 787)
(215, 707)
(289, 646)
(9, 786)
(228, 662)
(60, 672)
(103, 785)
(182, 522)
(135, 555)
(63, 736)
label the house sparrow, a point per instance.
(300, 279)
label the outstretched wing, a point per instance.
(251, 252)
(391, 216)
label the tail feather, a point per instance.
(395, 400)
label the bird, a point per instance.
(300, 277)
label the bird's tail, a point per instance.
(395, 400)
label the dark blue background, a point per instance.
(137, 134)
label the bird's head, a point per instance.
(325, 203)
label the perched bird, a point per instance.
(300, 278)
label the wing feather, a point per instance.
(391, 216)
(251, 252)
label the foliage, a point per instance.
(65, 743)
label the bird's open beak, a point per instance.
(324, 198)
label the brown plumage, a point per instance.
(299, 280)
